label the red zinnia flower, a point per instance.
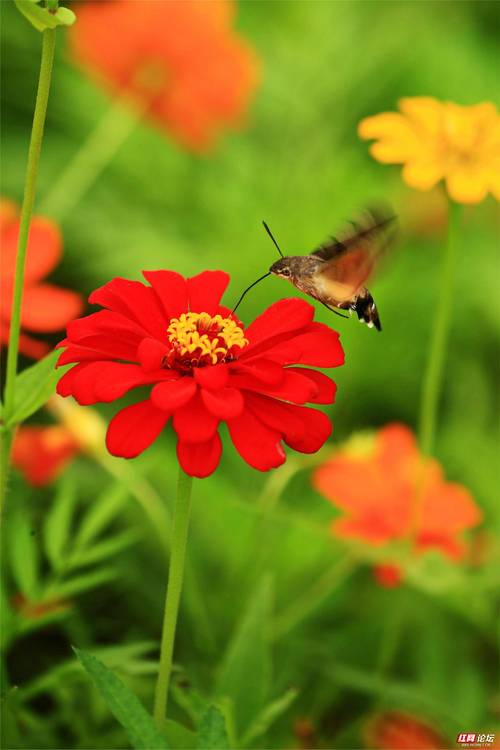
(46, 308)
(379, 492)
(41, 453)
(183, 58)
(205, 368)
(395, 730)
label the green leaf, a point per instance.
(123, 704)
(102, 511)
(178, 736)
(57, 528)
(85, 582)
(41, 18)
(245, 676)
(23, 552)
(189, 699)
(212, 733)
(34, 386)
(267, 716)
(106, 548)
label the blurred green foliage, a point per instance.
(428, 647)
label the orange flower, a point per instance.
(46, 308)
(378, 492)
(41, 453)
(394, 730)
(440, 141)
(183, 58)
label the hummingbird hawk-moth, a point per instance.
(336, 272)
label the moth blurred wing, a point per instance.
(344, 276)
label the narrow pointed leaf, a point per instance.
(179, 736)
(245, 677)
(267, 716)
(123, 704)
(57, 527)
(212, 732)
(34, 386)
(23, 552)
(102, 511)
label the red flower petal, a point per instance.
(326, 388)
(49, 308)
(113, 379)
(109, 332)
(193, 422)
(134, 300)
(276, 324)
(171, 289)
(150, 354)
(294, 387)
(205, 291)
(211, 377)
(104, 322)
(303, 429)
(259, 446)
(83, 354)
(225, 403)
(172, 394)
(64, 386)
(134, 428)
(318, 346)
(200, 459)
(266, 370)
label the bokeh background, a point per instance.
(259, 544)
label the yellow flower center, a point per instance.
(199, 339)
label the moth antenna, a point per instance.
(248, 289)
(271, 236)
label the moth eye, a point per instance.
(286, 272)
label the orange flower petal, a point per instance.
(184, 58)
(28, 346)
(8, 213)
(393, 492)
(48, 308)
(44, 250)
(40, 453)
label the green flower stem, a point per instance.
(102, 144)
(313, 597)
(175, 577)
(45, 77)
(433, 375)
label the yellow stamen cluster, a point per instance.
(204, 338)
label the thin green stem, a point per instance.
(93, 156)
(311, 598)
(175, 577)
(434, 372)
(35, 147)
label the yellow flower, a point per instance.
(440, 140)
